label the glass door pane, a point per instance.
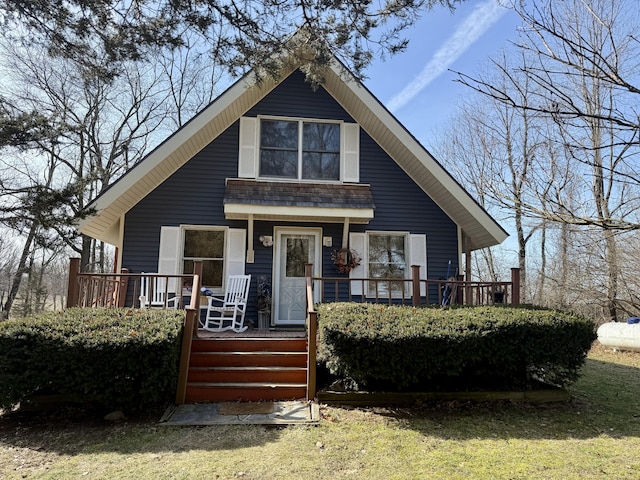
(294, 251)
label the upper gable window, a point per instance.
(299, 150)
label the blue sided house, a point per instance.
(277, 174)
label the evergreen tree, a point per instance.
(241, 35)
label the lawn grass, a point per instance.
(596, 435)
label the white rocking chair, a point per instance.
(154, 293)
(231, 308)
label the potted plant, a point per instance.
(264, 302)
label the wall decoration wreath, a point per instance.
(345, 259)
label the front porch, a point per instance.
(269, 364)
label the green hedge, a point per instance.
(400, 348)
(117, 358)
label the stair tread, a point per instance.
(243, 368)
(248, 369)
(247, 385)
(244, 344)
(253, 352)
(252, 339)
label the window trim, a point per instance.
(301, 121)
(218, 228)
(416, 253)
(381, 287)
(171, 250)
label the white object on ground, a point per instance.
(620, 336)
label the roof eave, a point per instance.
(374, 118)
(413, 158)
(172, 153)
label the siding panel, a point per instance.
(194, 193)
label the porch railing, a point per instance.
(123, 289)
(416, 291)
(312, 331)
(90, 290)
(189, 333)
(376, 289)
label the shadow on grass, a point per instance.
(605, 403)
(73, 431)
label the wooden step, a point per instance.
(277, 375)
(248, 359)
(249, 345)
(247, 369)
(246, 392)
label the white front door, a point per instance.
(294, 248)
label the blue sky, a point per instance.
(417, 86)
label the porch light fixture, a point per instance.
(267, 240)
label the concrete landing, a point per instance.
(230, 413)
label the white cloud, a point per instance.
(466, 34)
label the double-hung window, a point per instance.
(387, 258)
(299, 150)
(221, 249)
(206, 245)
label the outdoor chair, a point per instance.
(154, 293)
(228, 313)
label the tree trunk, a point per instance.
(564, 266)
(22, 269)
(611, 257)
(85, 255)
(543, 265)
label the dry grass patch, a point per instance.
(596, 435)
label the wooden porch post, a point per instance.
(191, 319)
(308, 273)
(460, 291)
(467, 271)
(185, 354)
(312, 329)
(122, 288)
(515, 286)
(415, 281)
(311, 357)
(197, 270)
(73, 287)
(195, 293)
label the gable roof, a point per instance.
(478, 226)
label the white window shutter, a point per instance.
(358, 242)
(248, 148)
(350, 152)
(235, 251)
(418, 256)
(170, 253)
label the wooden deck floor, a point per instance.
(255, 333)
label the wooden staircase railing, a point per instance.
(189, 332)
(312, 332)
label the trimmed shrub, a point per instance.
(117, 358)
(403, 348)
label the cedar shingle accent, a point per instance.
(294, 194)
